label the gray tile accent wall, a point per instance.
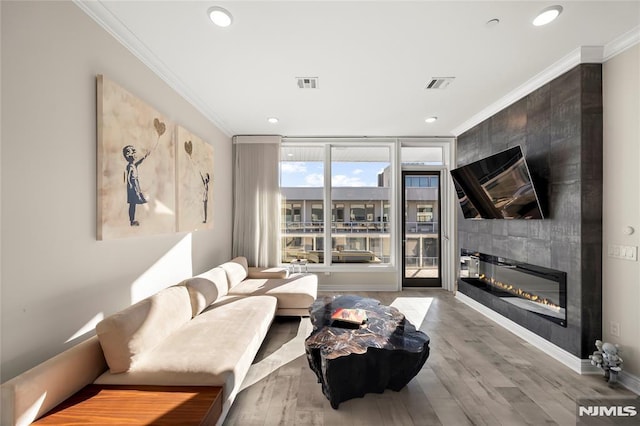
(559, 127)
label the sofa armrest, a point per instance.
(36, 391)
(268, 273)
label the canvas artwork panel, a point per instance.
(194, 182)
(136, 166)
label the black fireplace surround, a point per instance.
(559, 127)
(541, 291)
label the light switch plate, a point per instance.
(623, 252)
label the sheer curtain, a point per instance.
(256, 200)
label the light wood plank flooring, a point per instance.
(477, 374)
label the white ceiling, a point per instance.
(373, 59)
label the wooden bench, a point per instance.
(139, 405)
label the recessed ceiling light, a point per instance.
(272, 120)
(547, 15)
(430, 119)
(219, 16)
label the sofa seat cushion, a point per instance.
(215, 348)
(298, 291)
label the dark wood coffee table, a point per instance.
(386, 352)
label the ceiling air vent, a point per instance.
(307, 82)
(439, 83)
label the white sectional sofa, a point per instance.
(203, 331)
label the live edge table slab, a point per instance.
(385, 352)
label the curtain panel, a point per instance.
(256, 201)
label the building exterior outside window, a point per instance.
(424, 213)
(359, 224)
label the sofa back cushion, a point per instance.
(236, 269)
(206, 288)
(126, 335)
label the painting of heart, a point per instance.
(136, 166)
(194, 182)
(154, 176)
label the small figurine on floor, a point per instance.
(607, 358)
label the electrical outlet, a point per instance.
(614, 328)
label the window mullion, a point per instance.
(328, 202)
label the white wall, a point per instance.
(621, 278)
(57, 280)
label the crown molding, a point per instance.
(97, 11)
(581, 55)
(622, 43)
(584, 54)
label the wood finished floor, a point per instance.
(477, 374)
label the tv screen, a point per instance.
(497, 187)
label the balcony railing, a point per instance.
(358, 227)
(422, 227)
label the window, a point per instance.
(301, 188)
(424, 213)
(337, 213)
(358, 179)
(357, 212)
(286, 212)
(317, 213)
(297, 212)
(422, 182)
(421, 156)
(360, 203)
(369, 212)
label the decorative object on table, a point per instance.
(608, 359)
(136, 166)
(194, 182)
(296, 265)
(386, 352)
(346, 316)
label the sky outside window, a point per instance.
(344, 174)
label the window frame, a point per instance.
(447, 149)
(331, 206)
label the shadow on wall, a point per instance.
(57, 322)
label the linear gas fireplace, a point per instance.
(539, 290)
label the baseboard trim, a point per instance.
(588, 368)
(580, 366)
(630, 381)
(559, 354)
(627, 380)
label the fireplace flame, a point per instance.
(519, 292)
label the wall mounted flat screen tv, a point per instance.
(497, 187)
